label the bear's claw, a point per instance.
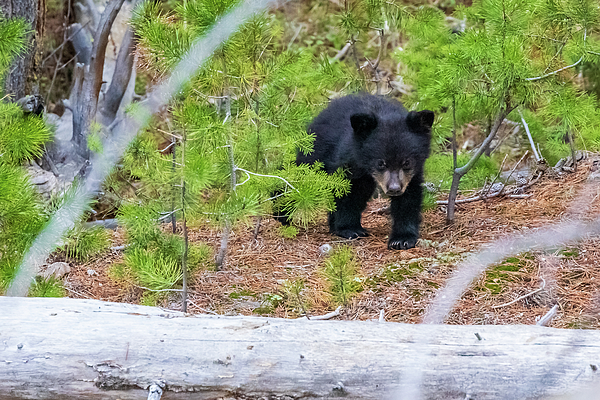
(402, 244)
(352, 233)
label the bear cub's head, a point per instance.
(393, 145)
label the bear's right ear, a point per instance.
(420, 121)
(363, 124)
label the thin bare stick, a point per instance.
(295, 36)
(524, 296)
(342, 52)
(65, 41)
(220, 259)
(573, 151)
(185, 238)
(537, 156)
(257, 227)
(458, 173)
(484, 194)
(479, 197)
(537, 78)
(326, 316)
(236, 168)
(514, 168)
(545, 320)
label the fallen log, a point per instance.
(87, 349)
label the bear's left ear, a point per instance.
(420, 121)
(363, 124)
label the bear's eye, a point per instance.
(407, 164)
(381, 165)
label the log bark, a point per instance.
(22, 72)
(87, 349)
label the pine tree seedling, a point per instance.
(341, 272)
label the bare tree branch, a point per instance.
(87, 99)
(120, 79)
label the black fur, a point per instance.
(375, 140)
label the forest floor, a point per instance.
(401, 283)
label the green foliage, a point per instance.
(140, 224)
(153, 270)
(340, 271)
(153, 256)
(12, 42)
(84, 243)
(429, 201)
(438, 170)
(21, 138)
(269, 302)
(294, 298)
(272, 93)
(288, 231)
(94, 139)
(50, 287)
(314, 190)
(21, 219)
(512, 54)
(498, 277)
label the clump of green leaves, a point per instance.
(288, 231)
(269, 302)
(21, 137)
(294, 297)
(84, 243)
(341, 272)
(429, 201)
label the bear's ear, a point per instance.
(363, 124)
(420, 121)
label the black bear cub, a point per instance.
(378, 142)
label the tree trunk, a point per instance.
(87, 349)
(22, 73)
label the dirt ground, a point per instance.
(401, 283)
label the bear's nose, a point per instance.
(394, 188)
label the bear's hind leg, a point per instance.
(345, 220)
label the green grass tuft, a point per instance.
(50, 287)
(153, 270)
(84, 243)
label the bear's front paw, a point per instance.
(402, 242)
(352, 233)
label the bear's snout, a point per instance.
(393, 183)
(394, 186)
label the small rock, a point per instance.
(43, 181)
(91, 272)
(594, 176)
(326, 248)
(56, 270)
